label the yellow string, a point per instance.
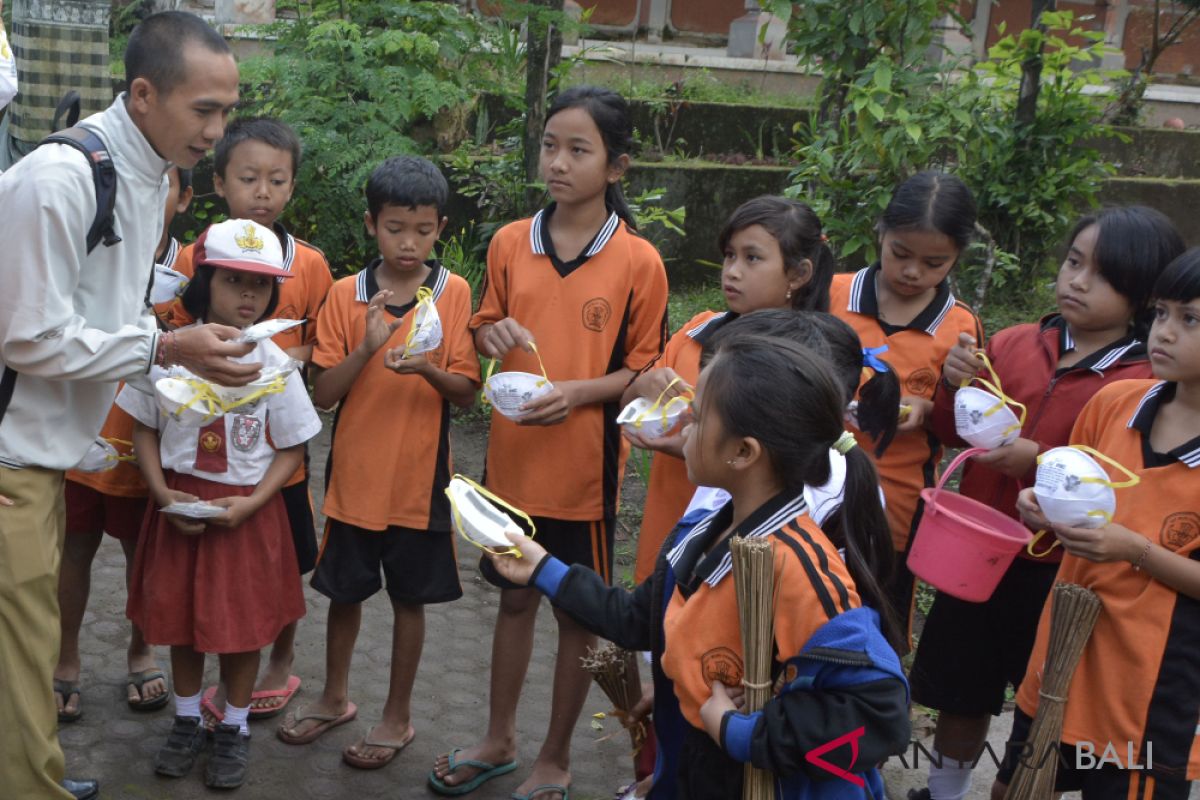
(513, 551)
(682, 399)
(995, 388)
(491, 366)
(214, 406)
(131, 458)
(424, 298)
(1037, 537)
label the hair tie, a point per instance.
(824, 239)
(871, 358)
(845, 443)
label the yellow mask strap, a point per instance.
(995, 388)
(513, 551)
(1131, 478)
(277, 385)
(665, 408)
(491, 367)
(1036, 538)
(424, 298)
(204, 395)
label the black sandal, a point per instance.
(67, 689)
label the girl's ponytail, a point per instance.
(861, 528)
(610, 112)
(879, 403)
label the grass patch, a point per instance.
(686, 302)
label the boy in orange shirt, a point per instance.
(389, 461)
(255, 166)
(112, 501)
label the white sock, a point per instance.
(188, 706)
(237, 716)
(951, 780)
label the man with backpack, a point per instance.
(74, 322)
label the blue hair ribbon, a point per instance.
(871, 358)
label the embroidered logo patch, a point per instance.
(1180, 529)
(722, 664)
(249, 240)
(921, 382)
(596, 313)
(210, 441)
(246, 431)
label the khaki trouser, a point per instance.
(31, 540)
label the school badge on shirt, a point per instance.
(245, 433)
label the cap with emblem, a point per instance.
(243, 245)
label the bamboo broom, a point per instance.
(615, 671)
(1072, 617)
(754, 580)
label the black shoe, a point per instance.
(177, 756)
(231, 752)
(918, 794)
(82, 790)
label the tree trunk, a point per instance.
(1031, 70)
(543, 51)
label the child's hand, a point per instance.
(395, 360)
(654, 382)
(671, 444)
(962, 362)
(4, 501)
(1031, 512)
(504, 336)
(518, 570)
(724, 698)
(641, 710)
(918, 410)
(1014, 459)
(1111, 542)
(185, 525)
(378, 329)
(239, 509)
(551, 408)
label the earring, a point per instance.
(789, 295)
(731, 461)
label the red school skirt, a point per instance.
(227, 590)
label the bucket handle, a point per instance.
(957, 462)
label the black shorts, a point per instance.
(1108, 782)
(298, 503)
(570, 541)
(970, 652)
(419, 565)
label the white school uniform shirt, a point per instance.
(289, 416)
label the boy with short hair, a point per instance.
(389, 461)
(112, 501)
(254, 169)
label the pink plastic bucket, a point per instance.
(963, 547)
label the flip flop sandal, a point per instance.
(362, 762)
(139, 679)
(66, 689)
(215, 716)
(545, 787)
(487, 772)
(293, 686)
(328, 721)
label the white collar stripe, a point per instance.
(1068, 342)
(950, 301)
(1154, 390)
(696, 331)
(439, 285)
(535, 234)
(856, 290)
(360, 287)
(696, 530)
(789, 512)
(606, 233)
(1114, 357)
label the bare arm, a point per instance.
(458, 389)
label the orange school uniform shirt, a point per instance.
(125, 480)
(916, 351)
(1138, 680)
(389, 460)
(701, 627)
(669, 490)
(604, 311)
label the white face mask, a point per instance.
(654, 419)
(983, 418)
(101, 456)
(508, 391)
(476, 517)
(167, 284)
(426, 331)
(1073, 489)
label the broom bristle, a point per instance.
(615, 671)
(1072, 617)
(754, 580)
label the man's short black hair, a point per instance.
(268, 130)
(407, 181)
(157, 45)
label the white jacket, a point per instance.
(73, 324)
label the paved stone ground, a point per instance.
(117, 745)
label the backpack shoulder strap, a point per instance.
(104, 178)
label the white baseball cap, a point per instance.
(243, 245)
